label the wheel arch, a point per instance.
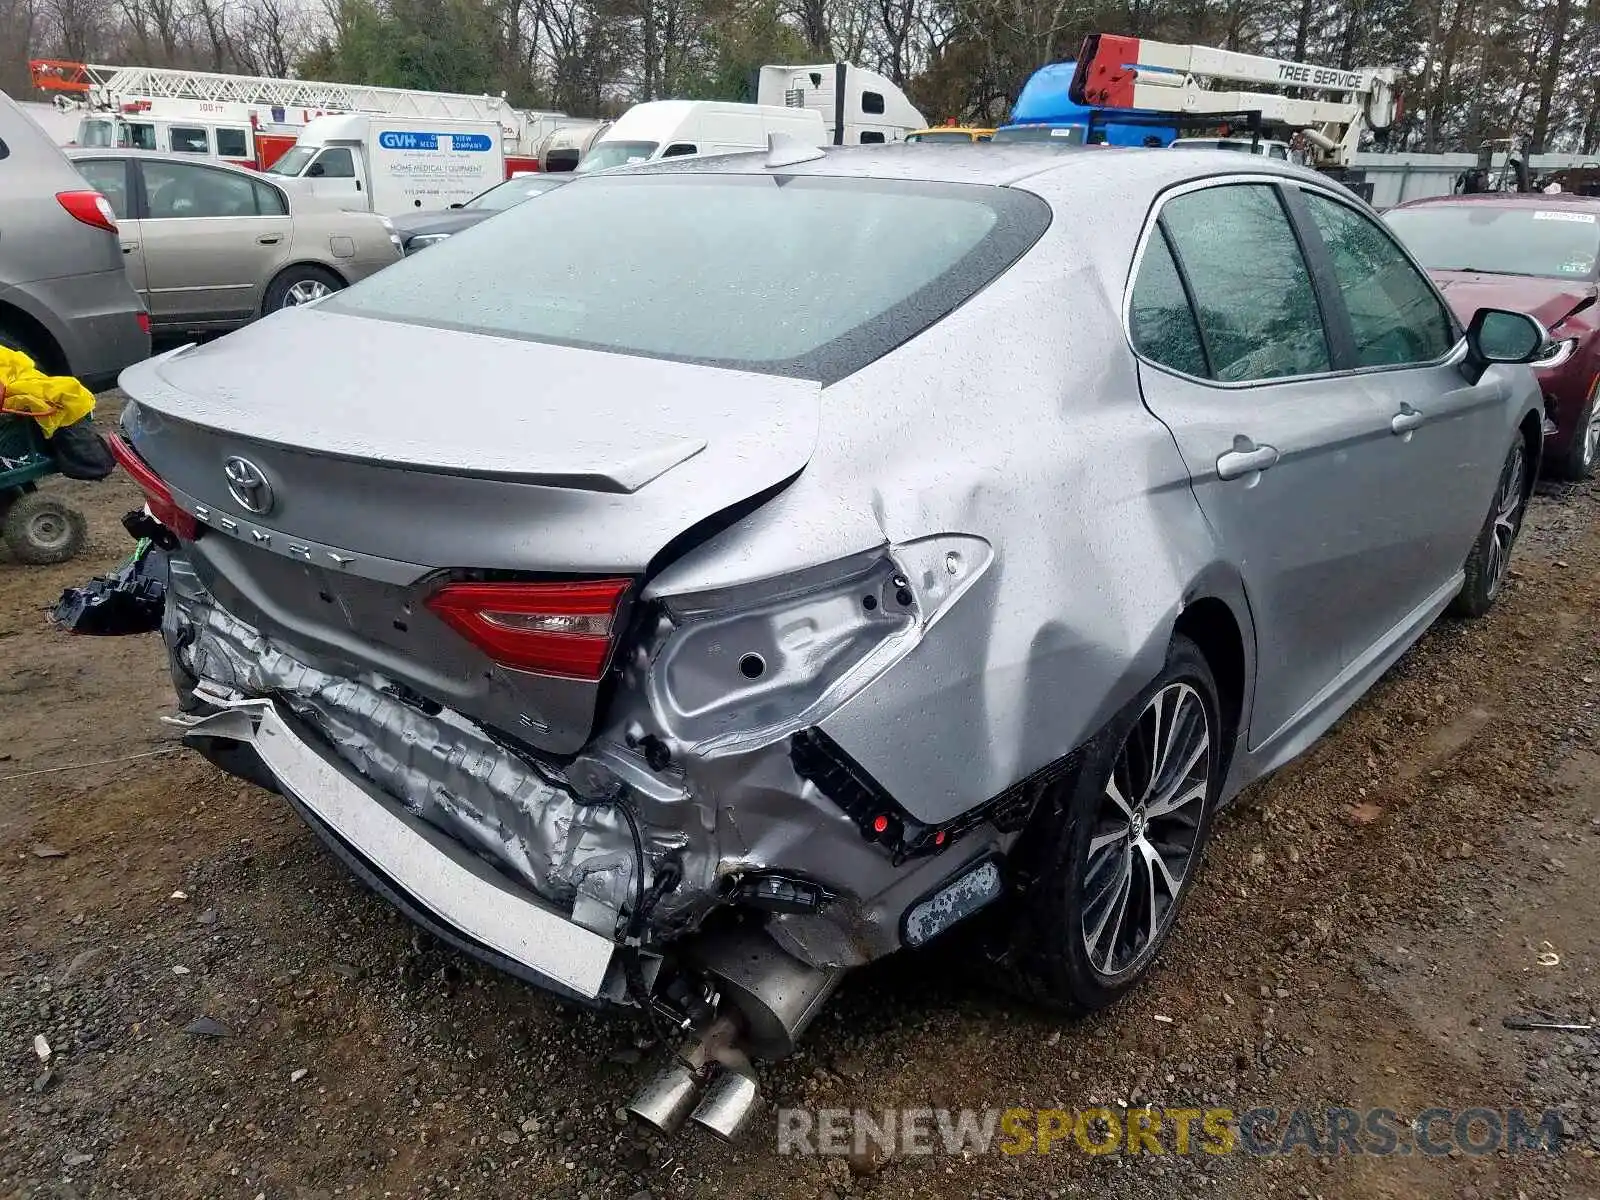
(315, 264)
(1216, 616)
(37, 335)
(1532, 430)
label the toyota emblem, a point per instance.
(248, 486)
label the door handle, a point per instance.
(129, 247)
(1245, 458)
(1406, 420)
(270, 239)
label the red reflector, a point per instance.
(880, 824)
(938, 838)
(561, 629)
(156, 493)
(89, 207)
(144, 321)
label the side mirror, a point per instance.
(316, 172)
(1497, 335)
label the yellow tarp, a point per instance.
(51, 400)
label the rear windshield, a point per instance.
(791, 275)
(1066, 135)
(1501, 240)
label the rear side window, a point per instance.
(872, 102)
(1258, 313)
(1159, 316)
(678, 150)
(232, 143)
(269, 200)
(175, 190)
(794, 275)
(5, 150)
(1395, 315)
(109, 177)
(187, 140)
(872, 137)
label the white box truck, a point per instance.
(858, 106)
(673, 128)
(392, 165)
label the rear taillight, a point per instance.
(158, 496)
(562, 629)
(89, 207)
(144, 321)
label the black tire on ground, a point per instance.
(40, 528)
(293, 285)
(1578, 463)
(1490, 558)
(1072, 854)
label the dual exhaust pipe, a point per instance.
(724, 1106)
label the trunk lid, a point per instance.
(395, 456)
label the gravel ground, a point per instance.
(229, 1014)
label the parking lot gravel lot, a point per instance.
(230, 1014)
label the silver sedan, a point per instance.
(210, 246)
(718, 575)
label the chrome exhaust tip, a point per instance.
(729, 1105)
(666, 1099)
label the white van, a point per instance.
(670, 128)
(394, 165)
(859, 107)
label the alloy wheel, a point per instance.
(1144, 841)
(305, 292)
(1508, 500)
(1591, 437)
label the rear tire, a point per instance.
(300, 285)
(1111, 855)
(41, 529)
(1578, 463)
(1490, 561)
(11, 339)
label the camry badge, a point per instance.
(248, 486)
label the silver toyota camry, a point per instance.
(725, 573)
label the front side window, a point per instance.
(109, 177)
(189, 140)
(177, 190)
(233, 143)
(801, 275)
(1501, 239)
(1159, 317)
(872, 137)
(872, 102)
(336, 162)
(1257, 309)
(1395, 314)
(678, 150)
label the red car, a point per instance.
(1536, 254)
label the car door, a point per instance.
(211, 237)
(113, 179)
(334, 175)
(1447, 437)
(1236, 362)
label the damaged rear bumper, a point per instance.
(428, 875)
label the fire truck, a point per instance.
(252, 120)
